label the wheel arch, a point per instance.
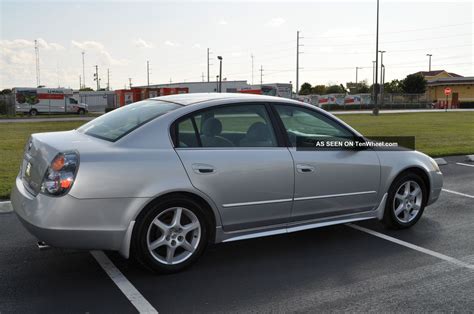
(212, 216)
(422, 173)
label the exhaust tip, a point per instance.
(42, 245)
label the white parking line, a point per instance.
(458, 193)
(413, 247)
(132, 294)
(463, 164)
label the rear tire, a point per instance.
(164, 243)
(33, 112)
(405, 202)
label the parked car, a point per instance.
(160, 179)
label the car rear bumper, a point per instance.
(68, 222)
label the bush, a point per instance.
(466, 104)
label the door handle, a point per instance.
(203, 168)
(301, 168)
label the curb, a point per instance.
(440, 161)
(6, 207)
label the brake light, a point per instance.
(61, 174)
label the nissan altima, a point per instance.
(160, 179)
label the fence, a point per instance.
(7, 105)
(366, 101)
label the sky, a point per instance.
(337, 37)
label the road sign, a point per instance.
(447, 91)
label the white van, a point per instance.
(47, 100)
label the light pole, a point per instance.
(381, 75)
(217, 83)
(357, 87)
(376, 107)
(220, 73)
(429, 56)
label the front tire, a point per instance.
(405, 202)
(81, 112)
(170, 236)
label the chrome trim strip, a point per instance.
(258, 202)
(332, 195)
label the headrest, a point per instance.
(212, 127)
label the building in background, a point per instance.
(462, 89)
(436, 74)
(203, 87)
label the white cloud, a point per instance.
(236, 54)
(97, 47)
(222, 22)
(197, 46)
(141, 43)
(24, 43)
(171, 43)
(275, 22)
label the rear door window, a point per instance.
(228, 126)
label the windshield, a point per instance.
(120, 122)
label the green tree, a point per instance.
(6, 91)
(395, 86)
(335, 89)
(414, 84)
(363, 87)
(86, 89)
(305, 89)
(319, 89)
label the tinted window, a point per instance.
(117, 123)
(230, 126)
(304, 126)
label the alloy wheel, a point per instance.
(407, 201)
(174, 235)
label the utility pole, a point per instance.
(202, 76)
(298, 61)
(83, 71)
(220, 73)
(251, 56)
(108, 79)
(96, 76)
(376, 108)
(80, 82)
(208, 64)
(130, 82)
(429, 55)
(217, 83)
(373, 78)
(148, 73)
(261, 74)
(38, 78)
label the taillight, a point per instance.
(61, 174)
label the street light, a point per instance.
(376, 107)
(357, 69)
(429, 55)
(220, 73)
(382, 74)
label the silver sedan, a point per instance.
(160, 179)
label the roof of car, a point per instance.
(192, 98)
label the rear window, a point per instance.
(120, 122)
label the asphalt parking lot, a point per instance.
(361, 267)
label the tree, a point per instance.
(86, 89)
(305, 89)
(6, 91)
(335, 89)
(319, 89)
(362, 87)
(414, 84)
(395, 86)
